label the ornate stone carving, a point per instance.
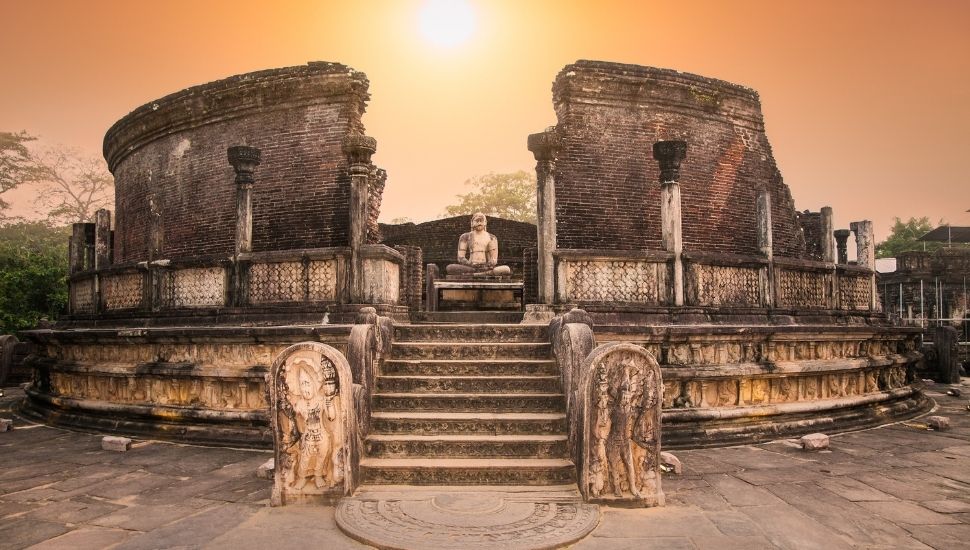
(709, 285)
(623, 393)
(803, 289)
(854, 291)
(194, 287)
(629, 281)
(221, 393)
(276, 282)
(314, 429)
(122, 291)
(323, 280)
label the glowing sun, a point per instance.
(446, 23)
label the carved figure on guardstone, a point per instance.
(623, 394)
(311, 409)
(478, 252)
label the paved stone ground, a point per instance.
(900, 486)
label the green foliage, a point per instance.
(904, 238)
(511, 196)
(33, 274)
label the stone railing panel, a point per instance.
(122, 290)
(808, 289)
(276, 282)
(613, 280)
(82, 296)
(381, 281)
(855, 291)
(322, 280)
(197, 287)
(715, 285)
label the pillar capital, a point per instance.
(669, 154)
(544, 145)
(244, 160)
(359, 149)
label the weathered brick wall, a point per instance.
(438, 239)
(171, 153)
(607, 194)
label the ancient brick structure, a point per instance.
(169, 162)
(609, 116)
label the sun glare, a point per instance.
(446, 23)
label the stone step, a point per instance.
(466, 471)
(465, 446)
(466, 317)
(471, 367)
(468, 384)
(470, 350)
(470, 402)
(471, 333)
(441, 423)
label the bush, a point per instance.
(33, 274)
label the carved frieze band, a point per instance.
(628, 281)
(207, 392)
(701, 393)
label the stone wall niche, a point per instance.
(314, 429)
(622, 393)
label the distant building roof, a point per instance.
(948, 234)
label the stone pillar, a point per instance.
(841, 243)
(358, 149)
(545, 147)
(866, 251)
(76, 248)
(765, 244)
(828, 251)
(102, 239)
(670, 154)
(244, 161)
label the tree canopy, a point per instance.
(511, 196)
(17, 165)
(73, 185)
(33, 274)
(904, 237)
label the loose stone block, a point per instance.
(265, 470)
(671, 463)
(939, 423)
(815, 442)
(6, 424)
(114, 443)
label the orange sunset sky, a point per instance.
(866, 103)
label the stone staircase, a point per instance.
(468, 404)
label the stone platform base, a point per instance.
(443, 517)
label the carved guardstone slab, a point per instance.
(313, 426)
(622, 394)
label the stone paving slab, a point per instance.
(898, 486)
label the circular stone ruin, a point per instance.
(216, 261)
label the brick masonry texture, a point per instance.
(170, 156)
(607, 190)
(438, 239)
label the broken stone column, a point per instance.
(77, 247)
(842, 244)
(669, 155)
(244, 161)
(102, 239)
(866, 253)
(765, 243)
(358, 149)
(828, 251)
(545, 147)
